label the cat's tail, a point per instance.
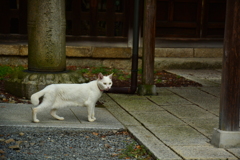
(35, 97)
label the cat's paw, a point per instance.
(60, 118)
(91, 119)
(36, 121)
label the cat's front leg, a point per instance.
(91, 113)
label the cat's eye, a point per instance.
(105, 83)
(110, 83)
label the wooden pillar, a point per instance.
(149, 25)
(230, 90)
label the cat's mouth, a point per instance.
(107, 89)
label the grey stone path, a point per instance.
(176, 124)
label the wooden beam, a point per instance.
(230, 90)
(149, 29)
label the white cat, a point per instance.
(56, 96)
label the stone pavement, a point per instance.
(176, 124)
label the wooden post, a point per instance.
(149, 28)
(149, 25)
(230, 90)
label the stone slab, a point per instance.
(21, 115)
(76, 51)
(23, 50)
(208, 52)
(179, 136)
(188, 111)
(110, 52)
(159, 150)
(9, 50)
(157, 119)
(123, 116)
(187, 63)
(203, 152)
(174, 52)
(235, 151)
(102, 116)
(204, 77)
(202, 99)
(203, 125)
(165, 97)
(215, 91)
(133, 103)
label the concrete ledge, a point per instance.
(75, 51)
(120, 57)
(187, 63)
(111, 52)
(225, 139)
(118, 52)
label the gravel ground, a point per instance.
(58, 143)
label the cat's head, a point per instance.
(104, 82)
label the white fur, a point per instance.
(57, 96)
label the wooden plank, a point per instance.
(214, 13)
(110, 18)
(76, 17)
(23, 16)
(230, 89)
(4, 17)
(94, 18)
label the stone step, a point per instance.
(120, 57)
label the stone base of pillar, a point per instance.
(25, 83)
(147, 90)
(225, 139)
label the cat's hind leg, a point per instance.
(34, 115)
(54, 114)
(45, 104)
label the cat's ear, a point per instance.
(110, 76)
(100, 76)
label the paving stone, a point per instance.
(205, 77)
(204, 125)
(235, 151)
(179, 135)
(133, 103)
(202, 99)
(166, 97)
(156, 119)
(203, 152)
(188, 111)
(102, 116)
(118, 112)
(212, 90)
(12, 112)
(160, 150)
